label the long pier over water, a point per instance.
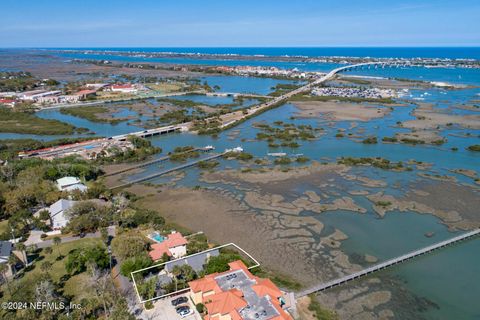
(161, 173)
(148, 163)
(388, 263)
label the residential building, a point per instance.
(58, 219)
(70, 184)
(239, 295)
(5, 251)
(175, 245)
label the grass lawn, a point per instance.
(78, 287)
(3, 226)
(74, 286)
(107, 95)
(165, 87)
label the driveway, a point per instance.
(163, 310)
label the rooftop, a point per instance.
(5, 249)
(173, 240)
(241, 295)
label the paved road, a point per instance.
(49, 243)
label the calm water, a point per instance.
(449, 277)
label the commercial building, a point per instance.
(84, 94)
(8, 102)
(239, 295)
(123, 88)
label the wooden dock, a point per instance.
(164, 172)
(388, 263)
(148, 163)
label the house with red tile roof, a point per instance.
(175, 245)
(239, 295)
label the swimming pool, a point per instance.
(157, 237)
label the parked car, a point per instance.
(184, 311)
(179, 300)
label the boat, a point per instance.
(236, 149)
(277, 154)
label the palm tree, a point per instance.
(22, 248)
(57, 241)
(12, 260)
(48, 250)
(31, 249)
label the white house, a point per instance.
(57, 213)
(70, 184)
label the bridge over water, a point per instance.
(388, 263)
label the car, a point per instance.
(184, 311)
(179, 300)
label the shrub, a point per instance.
(475, 147)
(370, 140)
(200, 307)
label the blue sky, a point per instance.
(184, 23)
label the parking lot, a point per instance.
(164, 310)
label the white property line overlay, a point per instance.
(257, 264)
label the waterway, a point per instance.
(449, 278)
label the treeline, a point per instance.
(22, 81)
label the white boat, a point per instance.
(237, 149)
(277, 154)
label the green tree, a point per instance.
(135, 263)
(220, 263)
(78, 259)
(56, 241)
(129, 245)
(22, 248)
